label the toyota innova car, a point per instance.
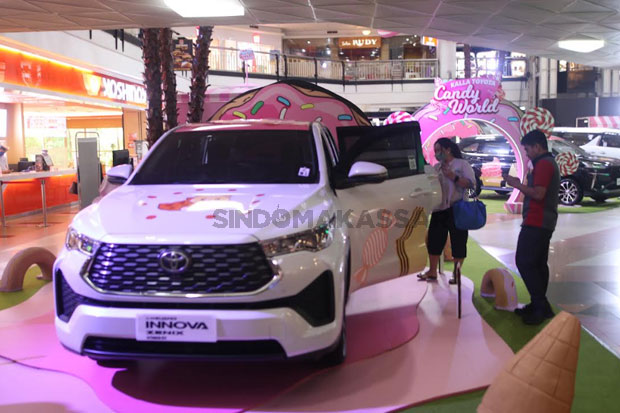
(243, 239)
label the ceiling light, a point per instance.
(206, 8)
(581, 45)
(366, 32)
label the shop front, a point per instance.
(47, 105)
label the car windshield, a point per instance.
(231, 156)
(558, 146)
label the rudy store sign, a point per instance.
(27, 70)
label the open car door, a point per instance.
(388, 214)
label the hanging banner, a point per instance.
(183, 53)
(26, 70)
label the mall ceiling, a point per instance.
(529, 26)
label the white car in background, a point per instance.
(161, 268)
(596, 141)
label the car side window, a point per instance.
(611, 141)
(396, 151)
(330, 141)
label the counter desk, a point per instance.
(20, 193)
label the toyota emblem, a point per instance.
(174, 261)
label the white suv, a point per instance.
(596, 141)
(243, 239)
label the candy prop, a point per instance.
(537, 118)
(398, 117)
(499, 284)
(374, 247)
(540, 378)
(567, 162)
(294, 100)
(15, 270)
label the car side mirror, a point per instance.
(118, 175)
(363, 173)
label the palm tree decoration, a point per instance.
(467, 56)
(200, 68)
(169, 82)
(152, 81)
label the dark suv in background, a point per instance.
(595, 177)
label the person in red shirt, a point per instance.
(540, 215)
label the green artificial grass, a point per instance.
(598, 371)
(495, 204)
(31, 286)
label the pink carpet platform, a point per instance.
(405, 344)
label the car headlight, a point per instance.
(79, 242)
(315, 239)
(593, 165)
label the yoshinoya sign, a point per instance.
(115, 89)
(469, 96)
(29, 71)
(359, 42)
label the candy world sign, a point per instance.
(472, 107)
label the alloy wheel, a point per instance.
(569, 192)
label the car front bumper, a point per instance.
(300, 314)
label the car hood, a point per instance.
(602, 159)
(201, 214)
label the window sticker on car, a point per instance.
(413, 165)
(303, 171)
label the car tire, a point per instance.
(338, 354)
(571, 192)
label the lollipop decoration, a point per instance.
(567, 162)
(398, 117)
(537, 118)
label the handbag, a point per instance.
(469, 214)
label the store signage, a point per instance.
(359, 42)
(41, 74)
(429, 41)
(469, 96)
(247, 54)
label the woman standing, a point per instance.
(455, 176)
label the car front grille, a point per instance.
(214, 269)
(119, 348)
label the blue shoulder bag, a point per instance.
(469, 214)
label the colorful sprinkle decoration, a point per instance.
(462, 122)
(345, 117)
(257, 107)
(239, 114)
(284, 101)
(433, 117)
(151, 217)
(445, 112)
(282, 113)
(307, 106)
(513, 119)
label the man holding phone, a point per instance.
(540, 215)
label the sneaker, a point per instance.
(533, 318)
(547, 312)
(523, 310)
